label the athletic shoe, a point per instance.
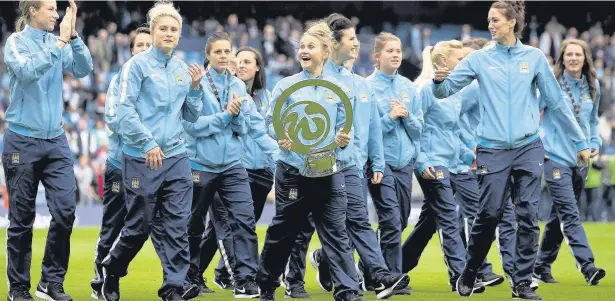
(52, 291)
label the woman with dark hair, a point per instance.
(565, 178)
(259, 155)
(216, 160)
(509, 144)
(114, 204)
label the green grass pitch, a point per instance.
(429, 280)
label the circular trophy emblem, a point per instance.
(306, 137)
(292, 122)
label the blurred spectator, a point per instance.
(550, 40)
(466, 32)
(85, 175)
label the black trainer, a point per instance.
(406, 291)
(348, 296)
(52, 291)
(323, 276)
(191, 291)
(389, 283)
(19, 293)
(523, 291)
(490, 279)
(203, 286)
(246, 290)
(465, 286)
(97, 282)
(111, 288)
(176, 295)
(593, 275)
(223, 283)
(267, 295)
(297, 293)
(544, 277)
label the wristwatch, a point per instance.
(73, 38)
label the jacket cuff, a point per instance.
(149, 146)
(581, 145)
(468, 158)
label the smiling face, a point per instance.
(347, 44)
(45, 17)
(500, 27)
(390, 56)
(574, 59)
(219, 55)
(247, 66)
(166, 33)
(311, 53)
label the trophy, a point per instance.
(320, 160)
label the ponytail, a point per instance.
(24, 13)
(428, 72)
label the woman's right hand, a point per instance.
(66, 26)
(153, 158)
(441, 73)
(398, 111)
(286, 144)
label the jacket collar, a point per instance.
(34, 33)
(217, 77)
(330, 66)
(518, 45)
(160, 57)
(383, 76)
(310, 76)
(574, 81)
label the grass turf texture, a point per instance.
(429, 280)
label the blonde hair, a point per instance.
(381, 40)
(24, 13)
(432, 54)
(163, 9)
(321, 31)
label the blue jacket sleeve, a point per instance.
(413, 124)
(595, 141)
(375, 148)
(466, 134)
(111, 104)
(209, 125)
(269, 120)
(258, 133)
(461, 76)
(465, 153)
(132, 130)
(423, 161)
(551, 92)
(29, 66)
(77, 59)
(191, 109)
(470, 96)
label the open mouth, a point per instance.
(305, 58)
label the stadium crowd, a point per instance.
(84, 98)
